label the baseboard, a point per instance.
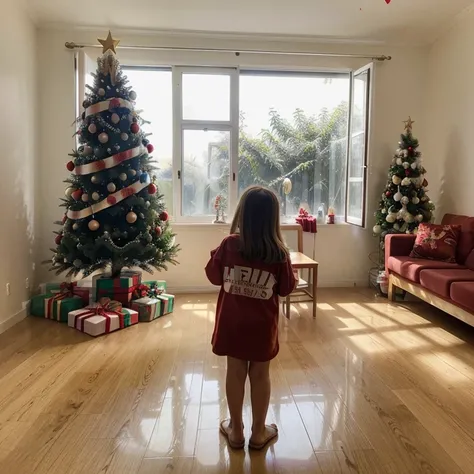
(15, 319)
(179, 290)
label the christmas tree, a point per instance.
(404, 204)
(115, 217)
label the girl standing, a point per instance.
(253, 268)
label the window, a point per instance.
(294, 126)
(154, 97)
(217, 131)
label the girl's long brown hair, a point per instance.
(257, 220)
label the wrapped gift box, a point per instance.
(74, 288)
(55, 306)
(307, 222)
(167, 302)
(101, 318)
(118, 289)
(148, 308)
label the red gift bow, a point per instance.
(103, 307)
(141, 291)
(66, 290)
(303, 213)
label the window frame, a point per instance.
(369, 69)
(83, 65)
(180, 125)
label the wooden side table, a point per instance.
(302, 262)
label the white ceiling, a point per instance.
(402, 21)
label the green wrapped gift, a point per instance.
(148, 308)
(55, 306)
(167, 302)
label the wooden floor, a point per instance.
(368, 387)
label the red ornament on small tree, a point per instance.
(150, 148)
(135, 128)
(76, 195)
(58, 239)
(70, 166)
(152, 188)
(164, 216)
(158, 230)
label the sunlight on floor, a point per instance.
(434, 365)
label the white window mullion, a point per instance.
(177, 141)
(234, 143)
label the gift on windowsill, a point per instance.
(102, 317)
(307, 221)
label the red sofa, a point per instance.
(448, 286)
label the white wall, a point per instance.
(341, 250)
(18, 155)
(449, 122)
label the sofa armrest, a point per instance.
(399, 245)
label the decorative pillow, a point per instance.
(437, 242)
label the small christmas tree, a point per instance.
(404, 204)
(114, 216)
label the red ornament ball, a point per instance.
(388, 194)
(70, 166)
(135, 128)
(150, 148)
(111, 200)
(164, 216)
(58, 239)
(407, 172)
(410, 148)
(152, 188)
(76, 195)
(158, 231)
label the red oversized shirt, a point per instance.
(246, 324)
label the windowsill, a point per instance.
(227, 225)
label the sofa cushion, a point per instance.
(462, 293)
(439, 281)
(437, 242)
(470, 261)
(410, 268)
(466, 240)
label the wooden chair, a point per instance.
(301, 262)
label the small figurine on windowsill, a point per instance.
(219, 206)
(331, 219)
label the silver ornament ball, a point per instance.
(95, 179)
(133, 95)
(115, 118)
(111, 187)
(103, 138)
(123, 177)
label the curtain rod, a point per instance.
(72, 45)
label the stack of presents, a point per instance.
(105, 304)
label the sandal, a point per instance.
(225, 433)
(259, 447)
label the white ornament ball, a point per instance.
(406, 182)
(75, 226)
(287, 185)
(377, 229)
(415, 200)
(406, 165)
(92, 128)
(115, 118)
(414, 166)
(95, 179)
(133, 172)
(103, 138)
(391, 218)
(133, 95)
(398, 196)
(147, 203)
(77, 263)
(95, 196)
(404, 200)
(93, 225)
(396, 226)
(419, 218)
(111, 187)
(124, 136)
(68, 192)
(131, 217)
(409, 218)
(87, 150)
(396, 180)
(85, 197)
(384, 211)
(123, 177)
(101, 92)
(399, 161)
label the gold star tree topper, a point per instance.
(409, 124)
(109, 44)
